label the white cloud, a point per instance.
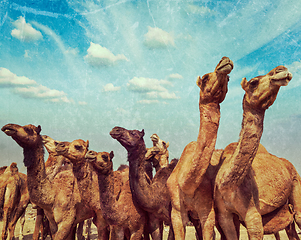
(28, 88)
(24, 31)
(163, 95)
(151, 88)
(9, 79)
(148, 101)
(175, 76)
(110, 88)
(100, 56)
(39, 91)
(158, 38)
(146, 84)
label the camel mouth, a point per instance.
(90, 158)
(282, 78)
(8, 130)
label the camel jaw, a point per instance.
(225, 66)
(282, 78)
(9, 130)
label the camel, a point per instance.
(236, 190)
(87, 181)
(14, 198)
(60, 198)
(122, 213)
(150, 195)
(189, 186)
(158, 154)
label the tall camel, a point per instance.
(14, 198)
(60, 198)
(236, 190)
(189, 187)
(122, 213)
(150, 195)
(87, 181)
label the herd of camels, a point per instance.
(208, 187)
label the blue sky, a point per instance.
(79, 68)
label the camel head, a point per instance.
(101, 161)
(261, 91)
(27, 136)
(75, 151)
(13, 168)
(50, 144)
(127, 138)
(214, 86)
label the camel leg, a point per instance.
(9, 201)
(117, 233)
(291, 232)
(19, 213)
(80, 230)
(155, 227)
(179, 222)
(253, 223)
(88, 228)
(295, 200)
(102, 227)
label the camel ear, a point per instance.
(111, 155)
(199, 81)
(39, 129)
(167, 144)
(87, 143)
(244, 84)
(142, 132)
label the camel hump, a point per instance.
(261, 149)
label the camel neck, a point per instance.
(38, 183)
(249, 140)
(109, 203)
(139, 180)
(191, 177)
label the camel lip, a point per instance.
(90, 159)
(114, 135)
(282, 78)
(8, 131)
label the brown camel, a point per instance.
(54, 164)
(14, 198)
(88, 182)
(236, 190)
(150, 195)
(59, 198)
(122, 213)
(189, 187)
(158, 154)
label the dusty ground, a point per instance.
(30, 221)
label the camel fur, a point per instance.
(189, 186)
(236, 189)
(14, 198)
(60, 198)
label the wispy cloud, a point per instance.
(9, 79)
(24, 31)
(99, 56)
(158, 38)
(28, 88)
(151, 88)
(110, 88)
(175, 76)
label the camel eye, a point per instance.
(254, 82)
(28, 130)
(105, 158)
(78, 147)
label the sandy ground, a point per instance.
(30, 221)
